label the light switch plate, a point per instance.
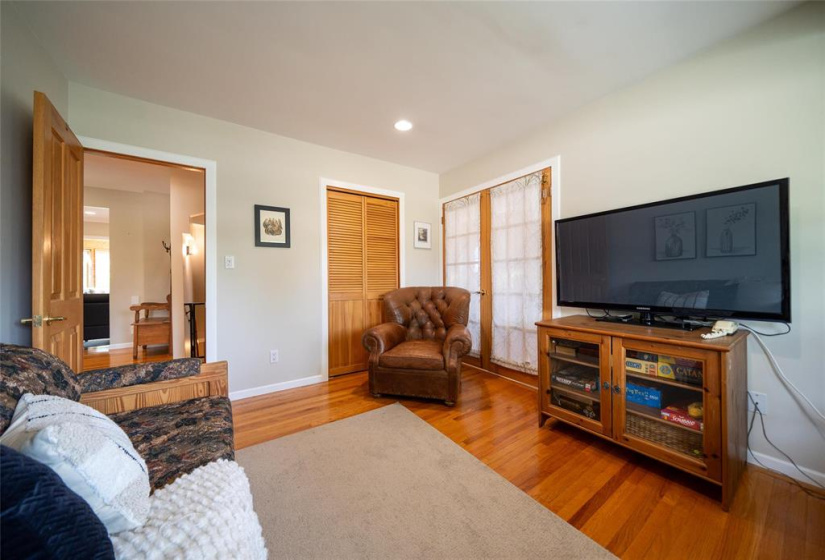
(229, 261)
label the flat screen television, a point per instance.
(721, 254)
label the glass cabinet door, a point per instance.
(576, 384)
(668, 401)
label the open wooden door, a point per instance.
(57, 236)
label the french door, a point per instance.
(497, 245)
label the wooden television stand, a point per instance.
(668, 394)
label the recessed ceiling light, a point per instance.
(403, 125)
(89, 213)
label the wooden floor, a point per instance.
(101, 357)
(634, 506)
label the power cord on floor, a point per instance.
(765, 435)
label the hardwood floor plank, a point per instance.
(635, 507)
(103, 357)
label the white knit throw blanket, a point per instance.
(204, 514)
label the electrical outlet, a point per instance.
(229, 261)
(761, 399)
(273, 357)
(135, 300)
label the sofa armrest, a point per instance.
(457, 344)
(137, 374)
(383, 337)
(212, 381)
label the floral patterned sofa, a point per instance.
(174, 438)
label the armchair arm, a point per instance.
(383, 337)
(457, 344)
(137, 374)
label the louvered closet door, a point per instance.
(362, 241)
(382, 254)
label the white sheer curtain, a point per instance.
(517, 272)
(462, 255)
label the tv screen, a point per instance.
(722, 254)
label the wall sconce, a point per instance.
(189, 245)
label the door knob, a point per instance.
(481, 292)
(37, 320)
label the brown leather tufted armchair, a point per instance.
(418, 351)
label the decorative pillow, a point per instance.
(204, 514)
(30, 370)
(41, 518)
(91, 453)
(692, 300)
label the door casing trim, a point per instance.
(211, 169)
(323, 183)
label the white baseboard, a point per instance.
(120, 345)
(786, 468)
(275, 387)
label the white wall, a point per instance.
(138, 264)
(24, 68)
(271, 299)
(750, 110)
(187, 192)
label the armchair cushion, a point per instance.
(414, 354)
(175, 439)
(30, 370)
(137, 374)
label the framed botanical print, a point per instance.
(676, 236)
(271, 226)
(422, 235)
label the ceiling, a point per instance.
(471, 76)
(120, 174)
(96, 214)
(106, 172)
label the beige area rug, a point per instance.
(385, 484)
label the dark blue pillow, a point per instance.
(41, 518)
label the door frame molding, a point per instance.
(554, 163)
(323, 183)
(210, 168)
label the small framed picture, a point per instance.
(271, 226)
(675, 236)
(731, 231)
(422, 232)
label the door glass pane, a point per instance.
(515, 209)
(574, 377)
(664, 401)
(462, 255)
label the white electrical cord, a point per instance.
(779, 371)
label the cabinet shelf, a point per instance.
(592, 397)
(651, 414)
(664, 381)
(563, 358)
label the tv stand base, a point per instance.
(649, 320)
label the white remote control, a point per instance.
(720, 329)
